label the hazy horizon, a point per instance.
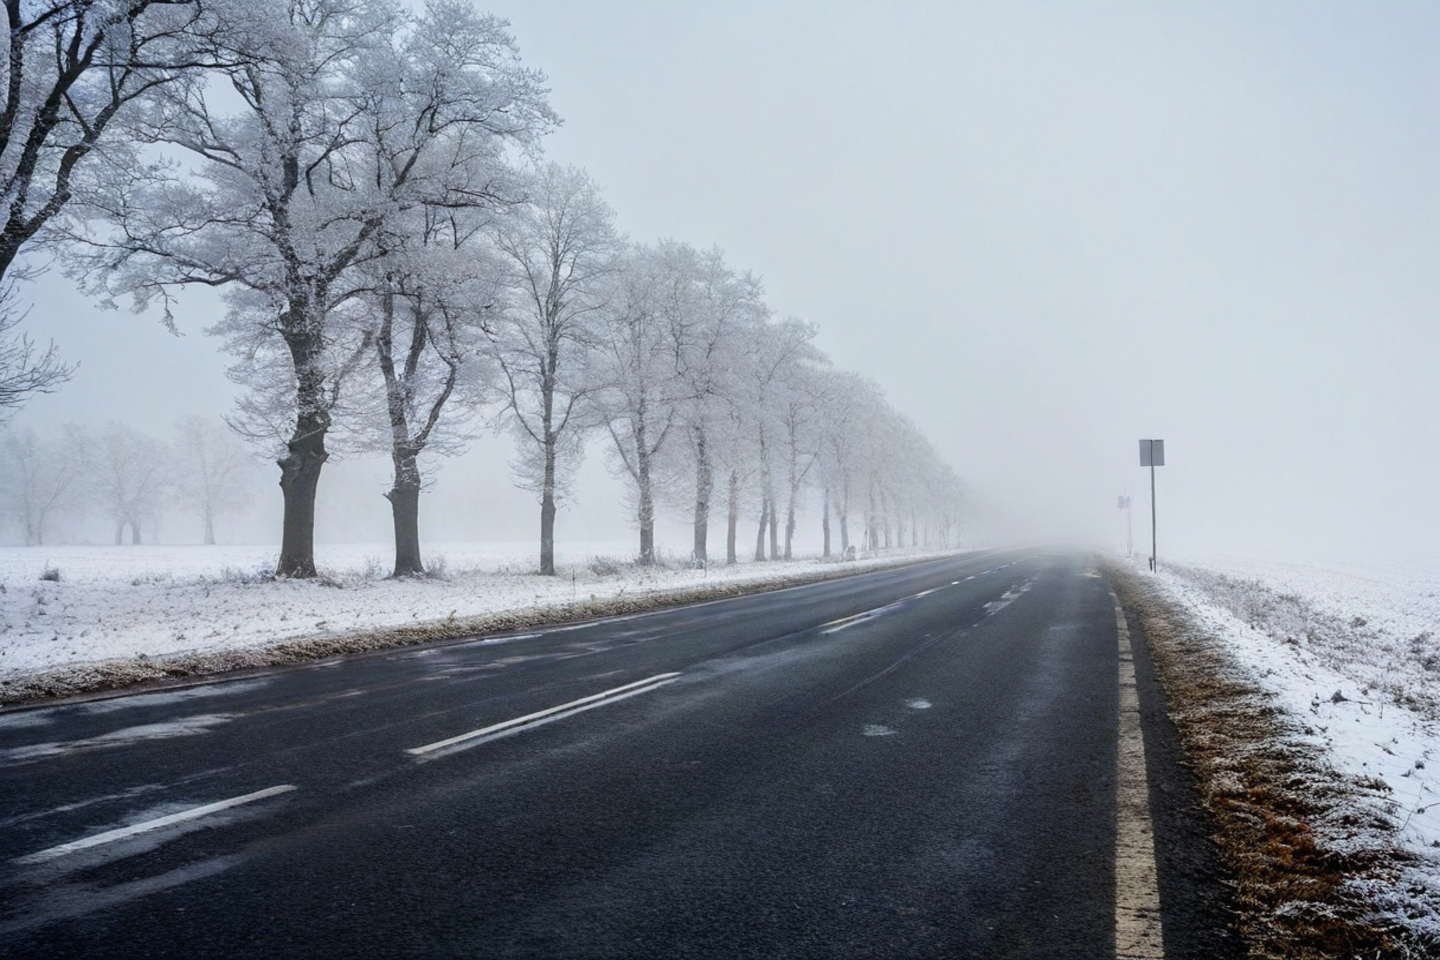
(1045, 230)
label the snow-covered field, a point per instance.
(1352, 653)
(149, 601)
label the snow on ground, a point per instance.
(150, 601)
(1352, 653)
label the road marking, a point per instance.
(193, 813)
(506, 727)
(1138, 933)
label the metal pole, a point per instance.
(1154, 552)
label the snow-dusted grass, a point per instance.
(152, 603)
(1349, 657)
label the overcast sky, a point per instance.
(1047, 230)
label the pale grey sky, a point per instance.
(1046, 229)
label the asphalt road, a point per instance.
(914, 763)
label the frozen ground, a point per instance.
(1352, 653)
(126, 602)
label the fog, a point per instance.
(1047, 230)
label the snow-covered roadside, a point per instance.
(167, 604)
(1352, 656)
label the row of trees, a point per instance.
(398, 262)
(126, 476)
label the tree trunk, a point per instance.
(760, 533)
(547, 510)
(134, 532)
(305, 451)
(844, 530)
(789, 526)
(647, 512)
(704, 484)
(404, 497)
(774, 532)
(119, 533)
(299, 480)
(825, 523)
(209, 527)
(732, 520)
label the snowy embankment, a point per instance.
(1350, 656)
(77, 618)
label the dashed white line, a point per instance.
(1138, 934)
(506, 727)
(122, 833)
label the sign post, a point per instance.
(1152, 455)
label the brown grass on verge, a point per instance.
(1274, 801)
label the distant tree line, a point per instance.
(121, 475)
(401, 268)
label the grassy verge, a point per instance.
(1288, 827)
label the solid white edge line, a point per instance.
(1138, 930)
(193, 813)
(531, 718)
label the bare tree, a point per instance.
(561, 248)
(40, 477)
(283, 204)
(130, 478)
(714, 315)
(440, 119)
(25, 370)
(72, 67)
(637, 366)
(215, 474)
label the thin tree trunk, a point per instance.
(647, 511)
(120, 533)
(209, 527)
(404, 497)
(134, 532)
(704, 483)
(732, 520)
(825, 523)
(760, 532)
(774, 531)
(547, 510)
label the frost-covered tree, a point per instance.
(775, 360)
(273, 193)
(443, 107)
(799, 405)
(25, 369)
(214, 472)
(560, 248)
(713, 314)
(40, 477)
(130, 478)
(72, 69)
(849, 399)
(641, 388)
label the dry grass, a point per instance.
(1287, 826)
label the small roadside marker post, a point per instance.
(1152, 455)
(1124, 504)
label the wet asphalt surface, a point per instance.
(913, 763)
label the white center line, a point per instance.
(193, 813)
(1138, 934)
(552, 713)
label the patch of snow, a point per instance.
(1351, 654)
(152, 601)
